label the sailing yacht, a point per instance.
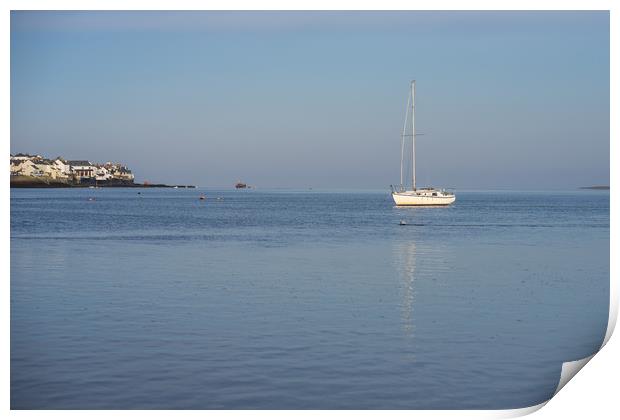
(427, 196)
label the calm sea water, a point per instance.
(298, 300)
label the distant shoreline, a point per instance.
(42, 182)
(57, 185)
(596, 187)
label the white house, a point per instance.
(121, 172)
(63, 167)
(25, 167)
(81, 168)
(38, 166)
(102, 173)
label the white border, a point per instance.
(596, 383)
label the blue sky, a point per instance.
(317, 99)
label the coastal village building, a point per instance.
(121, 172)
(59, 169)
(102, 173)
(37, 166)
(62, 166)
(81, 169)
(24, 167)
(53, 169)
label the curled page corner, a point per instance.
(519, 412)
(570, 369)
(613, 313)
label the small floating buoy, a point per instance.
(139, 192)
(402, 223)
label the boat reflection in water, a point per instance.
(405, 262)
(422, 269)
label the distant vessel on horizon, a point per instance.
(427, 196)
(240, 185)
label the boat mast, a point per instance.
(413, 133)
(402, 143)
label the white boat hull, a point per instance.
(411, 198)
